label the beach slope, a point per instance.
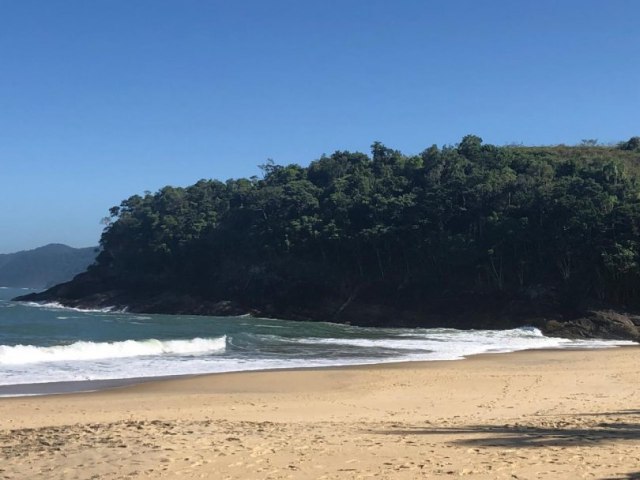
(536, 414)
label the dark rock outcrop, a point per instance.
(596, 324)
(87, 291)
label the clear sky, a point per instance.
(103, 99)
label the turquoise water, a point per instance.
(42, 344)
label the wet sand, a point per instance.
(527, 415)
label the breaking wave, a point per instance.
(59, 306)
(82, 351)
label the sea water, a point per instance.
(41, 344)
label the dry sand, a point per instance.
(527, 415)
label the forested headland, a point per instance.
(469, 235)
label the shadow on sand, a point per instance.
(549, 434)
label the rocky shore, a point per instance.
(463, 312)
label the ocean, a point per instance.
(43, 345)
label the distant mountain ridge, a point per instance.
(44, 266)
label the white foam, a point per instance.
(450, 344)
(81, 361)
(59, 306)
(83, 351)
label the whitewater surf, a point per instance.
(46, 344)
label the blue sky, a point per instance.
(103, 99)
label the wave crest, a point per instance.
(59, 306)
(79, 351)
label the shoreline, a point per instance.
(44, 389)
(593, 320)
(548, 414)
(596, 322)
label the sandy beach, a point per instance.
(525, 415)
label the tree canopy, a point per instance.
(472, 218)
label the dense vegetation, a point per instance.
(44, 266)
(479, 223)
